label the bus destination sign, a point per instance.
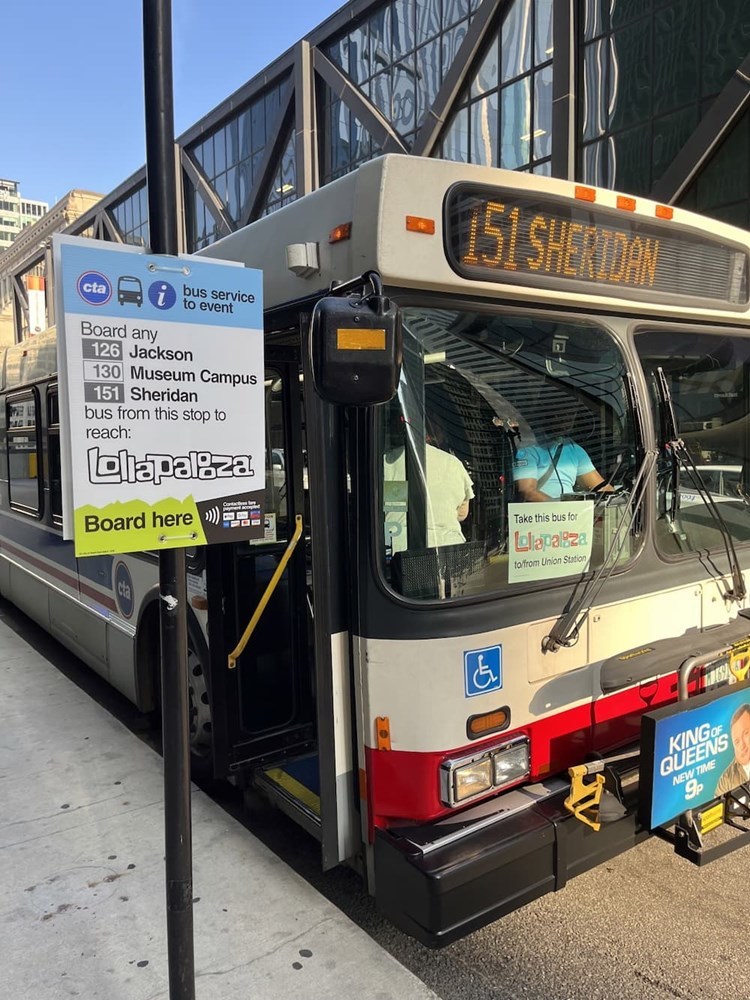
(509, 236)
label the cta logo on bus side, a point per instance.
(94, 288)
(123, 586)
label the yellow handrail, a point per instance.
(272, 584)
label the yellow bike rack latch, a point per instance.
(585, 796)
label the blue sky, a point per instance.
(71, 77)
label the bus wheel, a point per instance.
(201, 759)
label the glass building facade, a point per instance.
(646, 96)
(650, 70)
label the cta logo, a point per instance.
(123, 583)
(94, 288)
(162, 295)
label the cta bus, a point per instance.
(486, 395)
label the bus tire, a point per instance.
(199, 702)
(199, 713)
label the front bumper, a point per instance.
(441, 881)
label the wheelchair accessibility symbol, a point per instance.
(483, 670)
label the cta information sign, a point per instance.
(161, 377)
(693, 752)
(549, 540)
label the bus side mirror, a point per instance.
(355, 349)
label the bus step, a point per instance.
(294, 786)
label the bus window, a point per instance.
(53, 456)
(276, 508)
(486, 405)
(709, 382)
(23, 454)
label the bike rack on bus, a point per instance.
(687, 838)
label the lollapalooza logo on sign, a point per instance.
(125, 467)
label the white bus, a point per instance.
(485, 395)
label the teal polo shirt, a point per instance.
(532, 463)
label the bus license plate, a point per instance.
(716, 675)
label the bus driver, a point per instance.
(555, 466)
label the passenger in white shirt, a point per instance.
(449, 490)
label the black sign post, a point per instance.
(162, 217)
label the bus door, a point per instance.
(283, 716)
(262, 710)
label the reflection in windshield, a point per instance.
(494, 411)
(708, 380)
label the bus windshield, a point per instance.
(494, 411)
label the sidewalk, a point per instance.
(82, 876)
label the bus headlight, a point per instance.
(511, 763)
(467, 777)
(472, 779)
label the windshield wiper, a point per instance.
(566, 629)
(681, 457)
(669, 437)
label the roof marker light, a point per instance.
(664, 212)
(416, 224)
(585, 193)
(342, 232)
(628, 204)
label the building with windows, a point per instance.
(26, 263)
(16, 212)
(651, 97)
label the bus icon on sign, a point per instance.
(483, 670)
(129, 289)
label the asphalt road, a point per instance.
(646, 926)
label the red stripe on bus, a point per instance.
(405, 785)
(60, 574)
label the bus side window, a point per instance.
(53, 455)
(23, 454)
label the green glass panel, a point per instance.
(631, 76)
(725, 179)
(689, 199)
(726, 41)
(735, 215)
(625, 11)
(670, 134)
(676, 55)
(630, 169)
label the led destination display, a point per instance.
(496, 235)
